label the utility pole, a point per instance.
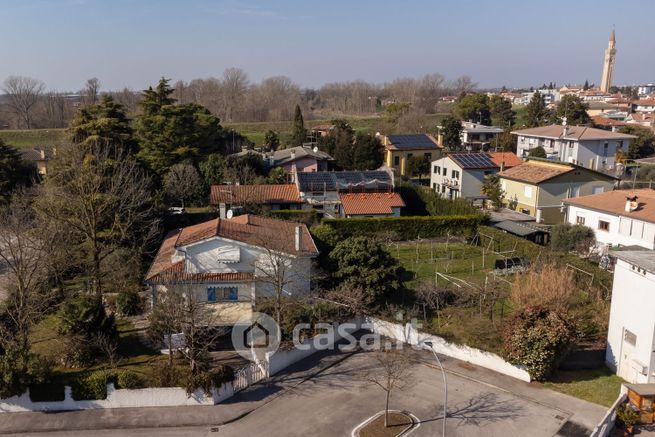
(445, 387)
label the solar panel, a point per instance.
(317, 181)
(474, 160)
(413, 141)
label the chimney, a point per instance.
(298, 238)
(293, 154)
(566, 128)
(631, 204)
(42, 153)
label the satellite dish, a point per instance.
(229, 214)
(315, 149)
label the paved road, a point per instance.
(333, 402)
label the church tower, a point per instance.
(608, 67)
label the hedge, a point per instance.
(306, 216)
(406, 228)
(422, 200)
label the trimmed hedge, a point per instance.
(306, 216)
(406, 228)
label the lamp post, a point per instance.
(445, 386)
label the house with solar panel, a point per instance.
(461, 174)
(350, 193)
(229, 263)
(398, 149)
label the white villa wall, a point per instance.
(623, 231)
(632, 308)
(408, 334)
(147, 397)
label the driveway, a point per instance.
(333, 402)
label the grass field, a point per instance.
(254, 131)
(599, 386)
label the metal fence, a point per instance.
(250, 374)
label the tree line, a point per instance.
(232, 97)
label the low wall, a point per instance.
(606, 425)
(280, 360)
(408, 334)
(121, 398)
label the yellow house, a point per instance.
(400, 148)
(538, 186)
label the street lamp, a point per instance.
(445, 386)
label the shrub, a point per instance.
(208, 380)
(129, 303)
(406, 228)
(129, 380)
(538, 338)
(425, 201)
(626, 416)
(94, 386)
(165, 376)
(571, 238)
(306, 216)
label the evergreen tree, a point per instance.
(574, 109)
(501, 112)
(537, 152)
(339, 144)
(104, 123)
(368, 152)
(271, 141)
(492, 189)
(451, 128)
(535, 111)
(473, 107)
(298, 133)
(14, 171)
(586, 85)
(154, 100)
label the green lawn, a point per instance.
(33, 138)
(599, 386)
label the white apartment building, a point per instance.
(631, 334)
(618, 218)
(585, 146)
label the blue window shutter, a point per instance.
(211, 294)
(234, 293)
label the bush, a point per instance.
(165, 376)
(306, 216)
(572, 238)
(129, 303)
(129, 380)
(538, 338)
(425, 201)
(94, 386)
(626, 416)
(406, 228)
(209, 380)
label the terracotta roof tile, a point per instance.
(175, 273)
(574, 133)
(613, 202)
(370, 203)
(259, 194)
(535, 172)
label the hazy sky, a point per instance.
(497, 42)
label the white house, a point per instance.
(618, 218)
(645, 90)
(585, 146)
(631, 334)
(462, 174)
(228, 263)
(475, 135)
(643, 105)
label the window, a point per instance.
(525, 211)
(455, 174)
(579, 220)
(575, 191)
(488, 172)
(597, 190)
(436, 170)
(435, 187)
(396, 160)
(443, 188)
(620, 144)
(630, 337)
(527, 191)
(603, 225)
(445, 171)
(222, 293)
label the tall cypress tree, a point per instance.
(155, 99)
(298, 133)
(535, 111)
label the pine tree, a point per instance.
(154, 100)
(501, 112)
(299, 133)
(586, 85)
(535, 111)
(451, 128)
(105, 124)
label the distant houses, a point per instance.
(538, 186)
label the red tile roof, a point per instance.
(257, 194)
(604, 121)
(507, 159)
(370, 203)
(175, 273)
(613, 202)
(250, 229)
(644, 102)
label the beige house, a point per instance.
(537, 187)
(398, 149)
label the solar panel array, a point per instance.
(344, 180)
(413, 141)
(473, 160)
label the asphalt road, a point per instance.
(335, 401)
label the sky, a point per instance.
(132, 43)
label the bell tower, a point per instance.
(608, 66)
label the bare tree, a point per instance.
(92, 91)
(235, 84)
(182, 182)
(24, 93)
(393, 371)
(356, 299)
(102, 197)
(56, 110)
